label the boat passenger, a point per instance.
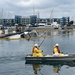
(56, 50)
(36, 52)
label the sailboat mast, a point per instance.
(33, 10)
(2, 16)
(51, 16)
(38, 17)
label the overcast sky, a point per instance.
(46, 8)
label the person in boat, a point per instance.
(56, 50)
(36, 52)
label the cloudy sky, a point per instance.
(46, 8)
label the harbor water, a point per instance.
(13, 52)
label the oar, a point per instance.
(42, 42)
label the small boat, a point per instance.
(29, 34)
(14, 36)
(49, 59)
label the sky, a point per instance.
(45, 8)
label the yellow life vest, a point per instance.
(37, 53)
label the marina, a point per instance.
(13, 53)
(37, 37)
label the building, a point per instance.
(1, 21)
(25, 21)
(43, 20)
(18, 19)
(33, 20)
(64, 20)
(8, 22)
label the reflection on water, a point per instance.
(36, 68)
(54, 33)
(56, 68)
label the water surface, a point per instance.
(13, 52)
